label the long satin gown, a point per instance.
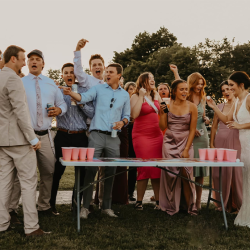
(147, 140)
(231, 176)
(243, 116)
(174, 143)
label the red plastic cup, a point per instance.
(220, 154)
(203, 153)
(67, 153)
(231, 155)
(75, 154)
(82, 154)
(90, 154)
(211, 154)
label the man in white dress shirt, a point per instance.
(41, 90)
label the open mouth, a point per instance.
(34, 67)
(227, 96)
(70, 80)
(98, 72)
(163, 93)
(108, 78)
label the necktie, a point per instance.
(39, 109)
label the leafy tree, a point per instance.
(145, 44)
(55, 74)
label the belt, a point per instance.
(102, 132)
(71, 131)
(41, 132)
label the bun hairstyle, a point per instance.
(222, 84)
(143, 82)
(174, 86)
(240, 77)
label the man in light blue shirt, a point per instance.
(112, 105)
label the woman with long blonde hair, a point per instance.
(197, 95)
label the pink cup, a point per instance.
(211, 154)
(90, 154)
(220, 154)
(67, 153)
(203, 153)
(75, 154)
(231, 155)
(82, 154)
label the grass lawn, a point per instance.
(147, 229)
(68, 179)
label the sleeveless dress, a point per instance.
(243, 116)
(200, 142)
(147, 140)
(174, 143)
(231, 176)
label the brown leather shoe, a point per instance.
(14, 219)
(37, 233)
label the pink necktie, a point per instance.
(39, 109)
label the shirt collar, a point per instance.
(33, 76)
(106, 85)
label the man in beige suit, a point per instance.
(17, 156)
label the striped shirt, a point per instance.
(76, 116)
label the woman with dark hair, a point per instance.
(132, 174)
(147, 136)
(227, 138)
(197, 95)
(239, 118)
(177, 143)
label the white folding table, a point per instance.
(159, 163)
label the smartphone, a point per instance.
(166, 109)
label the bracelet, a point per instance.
(124, 122)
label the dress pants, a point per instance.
(15, 196)
(64, 139)
(20, 160)
(111, 148)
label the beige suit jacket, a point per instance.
(15, 122)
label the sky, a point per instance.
(55, 26)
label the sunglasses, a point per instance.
(112, 101)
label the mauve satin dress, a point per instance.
(147, 140)
(174, 143)
(231, 176)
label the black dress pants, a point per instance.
(132, 173)
(63, 139)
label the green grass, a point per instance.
(68, 180)
(147, 229)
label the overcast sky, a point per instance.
(56, 26)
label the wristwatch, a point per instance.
(124, 122)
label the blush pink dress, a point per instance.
(174, 142)
(231, 176)
(147, 140)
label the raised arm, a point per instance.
(221, 116)
(174, 69)
(81, 76)
(194, 117)
(136, 103)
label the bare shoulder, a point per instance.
(193, 107)
(134, 97)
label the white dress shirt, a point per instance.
(50, 93)
(85, 80)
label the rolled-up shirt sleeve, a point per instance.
(126, 110)
(81, 76)
(60, 103)
(88, 109)
(88, 96)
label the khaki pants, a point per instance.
(20, 160)
(46, 165)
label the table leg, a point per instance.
(75, 195)
(78, 198)
(221, 200)
(210, 186)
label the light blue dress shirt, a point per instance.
(50, 93)
(105, 116)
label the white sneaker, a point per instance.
(84, 213)
(109, 212)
